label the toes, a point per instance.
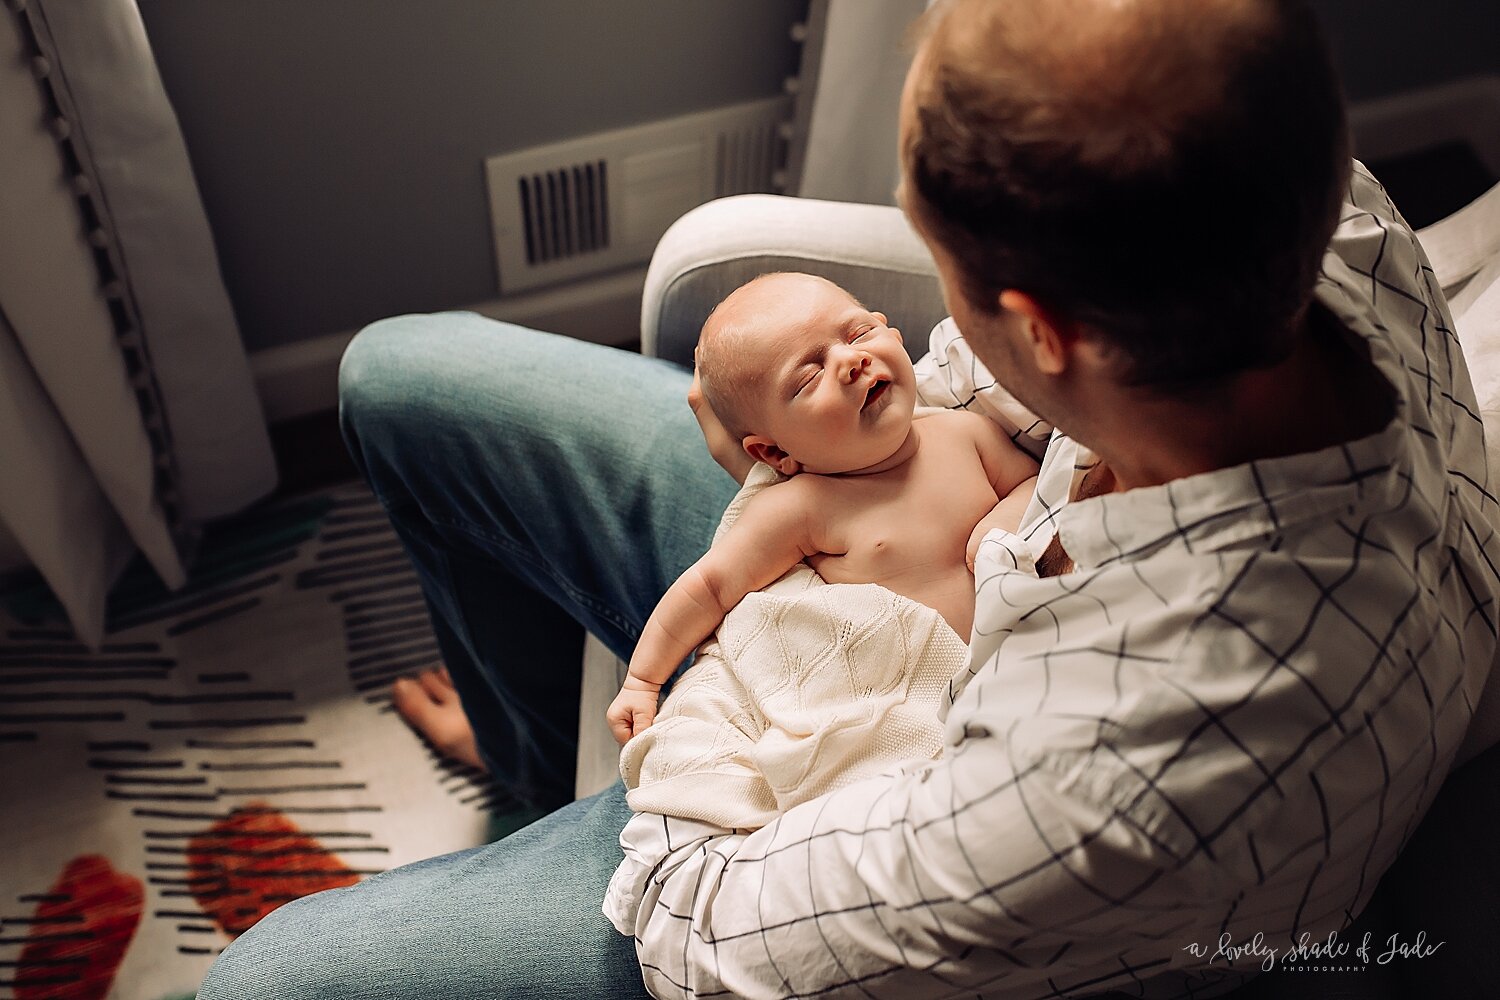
(441, 722)
(437, 685)
(411, 700)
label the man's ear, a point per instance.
(1051, 339)
(763, 449)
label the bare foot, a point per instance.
(429, 704)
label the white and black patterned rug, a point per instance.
(231, 747)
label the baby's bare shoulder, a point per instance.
(787, 498)
(804, 506)
(960, 422)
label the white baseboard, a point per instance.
(1467, 109)
(301, 378)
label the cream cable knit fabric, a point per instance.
(806, 687)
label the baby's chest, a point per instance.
(931, 517)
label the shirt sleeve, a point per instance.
(971, 875)
(950, 376)
(991, 870)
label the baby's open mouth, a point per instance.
(876, 391)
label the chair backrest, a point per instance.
(1464, 250)
(712, 250)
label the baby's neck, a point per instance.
(903, 454)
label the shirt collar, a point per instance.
(1214, 510)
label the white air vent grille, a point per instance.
(566, 212)
(601, 202)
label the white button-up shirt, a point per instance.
(1227, 719)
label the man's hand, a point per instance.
(724, 449)
(633, 709)
(1005, 515)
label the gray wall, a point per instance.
(1386, 46)
(338, 143)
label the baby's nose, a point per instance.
(858, 364)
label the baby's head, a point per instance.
(805, 377)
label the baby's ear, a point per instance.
(763, 449)
(885, 322)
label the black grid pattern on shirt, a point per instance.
(784, 941)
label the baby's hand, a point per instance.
(633, 709)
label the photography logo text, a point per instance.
(1331, 954)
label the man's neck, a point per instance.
(1327, 392)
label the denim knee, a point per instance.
(278, 958)
(380, 373)
(406, 379)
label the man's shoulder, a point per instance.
(1376, 273)
(1377, 281)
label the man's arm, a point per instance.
(976, 874)
(725, 449)
(1004, 516)
(776, 530)
(1016, 866)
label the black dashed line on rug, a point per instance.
(213, 617)
(70, 677)
(76, 649)
(173, 609)
(373, 677)
(393, 570)
(284, 720)
(384, 546)
(99, 663)
(346, 534)
(413, 599)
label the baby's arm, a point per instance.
(1012, 474)
(776, 530)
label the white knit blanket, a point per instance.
(806, 687)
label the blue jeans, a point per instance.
(539, 484)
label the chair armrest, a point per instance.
(869, 249)
(1464, 243)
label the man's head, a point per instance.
(1157, 177)
(805, 376)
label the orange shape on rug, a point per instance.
(80, 933)
(248, 864)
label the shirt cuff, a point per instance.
(1002, 551)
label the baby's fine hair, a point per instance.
(726, 386)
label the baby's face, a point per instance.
(835, 385)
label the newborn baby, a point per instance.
(820, 389)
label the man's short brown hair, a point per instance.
(1166, 173)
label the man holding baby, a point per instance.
(1216, 675)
